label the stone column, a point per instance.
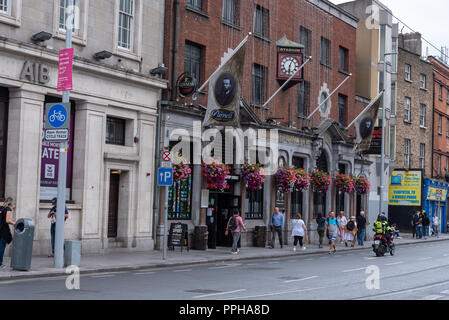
(23, 160)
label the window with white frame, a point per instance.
(63, 15)
(440, 124)
(5, 6)
(438, 164)
(440, 93)
(126, 24)
(407, 106)
(422, 115)
(422, 81)
(230, 11)
(408, 72)
(406, 153)
(422, 155)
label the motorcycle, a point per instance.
(380, 246)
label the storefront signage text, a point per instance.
(405, 188)
(35, 72)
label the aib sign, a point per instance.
(57, 121)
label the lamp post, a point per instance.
(382, 164)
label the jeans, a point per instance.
(396, 234)
(361, 236)
(53, 232)
(321, 235)
(435, 230)
(419, 232)
(2, 249)
(235, 240)
(298, 238)
(425, 231)
(275, 230)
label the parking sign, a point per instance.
(165, 177)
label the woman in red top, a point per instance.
(234, 225)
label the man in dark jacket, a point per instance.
(361, 228)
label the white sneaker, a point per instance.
(294, 249)
(303, 248)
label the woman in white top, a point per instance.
(299, 231)
(435, 225)
(343, 221)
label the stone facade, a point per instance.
(119, 87)
(419, 94)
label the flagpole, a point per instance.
(291, 77)
(314, 111)
(366, 109)
(195, 95)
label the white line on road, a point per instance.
(103, 276)
(217, 294)
(273, 262)
(184, 270)
(296, 280)
(445, 255)
(225, 266)
(308, 259)
(252, 264)
(351, 270)
(432, 297)
(149, 272)
(423, 259)
(274, 294)
(370, 258)
(394, 263)
(445, 292)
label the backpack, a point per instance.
(350, 226)
(233, 223)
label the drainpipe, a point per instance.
(174, 51)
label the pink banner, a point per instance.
(65, 69)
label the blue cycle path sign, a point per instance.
(165, 177)
(57, 116)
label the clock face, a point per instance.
(289, 65)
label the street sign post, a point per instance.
(165, 179)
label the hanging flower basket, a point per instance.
(320, 181)
(215, 174)
(344, 183)
(285, 179)
(253, 176)
(361, 185)
(302, 180)
(181, 171)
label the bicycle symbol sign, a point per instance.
(57, 116)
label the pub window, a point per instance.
(192, 60)
(180, 200)
(126, 24)
(115, 131)
(3, 137)
(296, 198)
(196, 4)
(303, 99)
(260, 21)
(258, 90)
(254, 205)
(305, 38)
(230, 11)
(325, 52)
(343, 55)
(63, 5)
(342, 107)
(5, 6)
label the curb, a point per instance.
(88, 271)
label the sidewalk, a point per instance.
(125, 261)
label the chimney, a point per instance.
(411, 42)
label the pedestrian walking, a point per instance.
(299, 231)
(5, 232)
(276, 223)
(331, 230)
(425, 224)
(419, 225)
(321, 225)
(435, 225)
(235, 225)
(52, 217)
(361, 228)
(350, 231)
(343, 221)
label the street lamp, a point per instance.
(382, 164)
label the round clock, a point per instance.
(289, 65)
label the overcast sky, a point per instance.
(426, 17)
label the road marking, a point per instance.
(351, 270)
(184, 270)
(445, 292)
(432, 297)
(308, 259)
(252, 264)
(33, 279)
(394, 263)
(370, 258)
(217, 294)
(149, 272)
(423, 259)
(103, 276)
(445, 255)
(273, 262)
(274, 294)
(296, 280)
(226, 266)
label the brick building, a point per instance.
(197, 34)
(413, 107)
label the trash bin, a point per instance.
(72, 253)
(22, 248)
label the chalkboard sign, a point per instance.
(178, 236)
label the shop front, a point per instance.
(435, 201)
